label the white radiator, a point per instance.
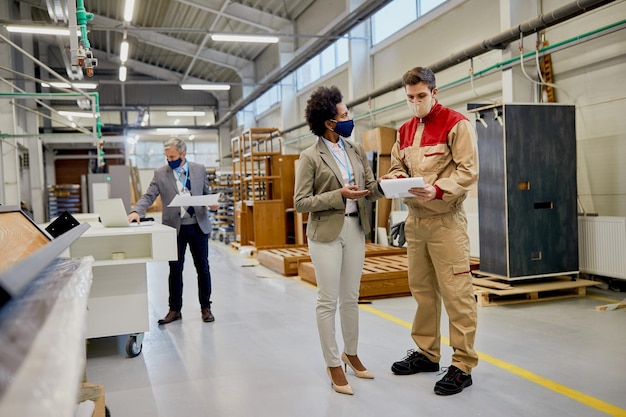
(602, 246)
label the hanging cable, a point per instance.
(521, 61)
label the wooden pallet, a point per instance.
(383, 276)
(285, 260)
(490, 291)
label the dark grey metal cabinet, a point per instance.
(527, 190)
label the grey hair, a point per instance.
(179, 144)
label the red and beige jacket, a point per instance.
(441, 148)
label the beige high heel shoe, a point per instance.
(359, 374)
(341, 389)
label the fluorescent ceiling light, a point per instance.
(185, 113)
(124, 51)
(41, 30)
(172, 130)
(84, 86)
(122, 73)
(244, 38)
(129, 7)
(214, 87)
(77, 114)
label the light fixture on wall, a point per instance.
(171, 130)
(83, 86)
(122, 73)
(124, 51)
(193, 113)
(40, 30)
(129, 8)
(223, 37)
(206, 87)
(88, 115)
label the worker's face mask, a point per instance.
(421, 108)
(344, 128)
(175, 164)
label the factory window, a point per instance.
(398, 14)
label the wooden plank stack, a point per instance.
(383, 276)
(285, 260)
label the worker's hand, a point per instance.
(214, 207)
(427, 193)
(133, 217)
(353, 192)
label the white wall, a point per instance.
(589, 74)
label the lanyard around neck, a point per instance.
(184, 183)
(345, 165)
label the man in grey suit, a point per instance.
(192, 224)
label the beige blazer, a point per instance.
(317, 189)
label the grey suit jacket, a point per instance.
(317, 189)
(164, 184)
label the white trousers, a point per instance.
(338, 268)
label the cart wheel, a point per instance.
(226, 240)
(221, 238)
(132, 348)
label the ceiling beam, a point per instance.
(175, 45)
(244, 14)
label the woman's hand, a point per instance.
(353, 192)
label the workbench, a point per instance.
(118, 301)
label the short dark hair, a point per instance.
(420, 75)
(322, 106)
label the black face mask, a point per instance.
(175, 164)
(344, 128)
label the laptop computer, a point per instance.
(113, 214)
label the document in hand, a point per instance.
(194, 200)
(399, 187)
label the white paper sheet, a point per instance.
(194, 200)
(399, 187)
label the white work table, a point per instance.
(118, 300)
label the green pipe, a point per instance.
(56, 95)
(496, 66)
(529, 54)
(82, 17)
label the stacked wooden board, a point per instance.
(285, 260)
(491, 290)
(383, 276)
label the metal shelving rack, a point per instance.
(224, 219)
(63, 197)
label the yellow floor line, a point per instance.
(585, 399)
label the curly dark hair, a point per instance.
(322, 106)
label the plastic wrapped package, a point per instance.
(42, 340)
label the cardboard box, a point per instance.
(380, 139)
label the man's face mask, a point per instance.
(421, 108)
(175, 164)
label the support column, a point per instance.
(290, 114)
(516, 88)
(224, 130)
(9, 171)
(33, 187)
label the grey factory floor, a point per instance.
(261, 356)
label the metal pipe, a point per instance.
(498, 41)
(500, 66)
